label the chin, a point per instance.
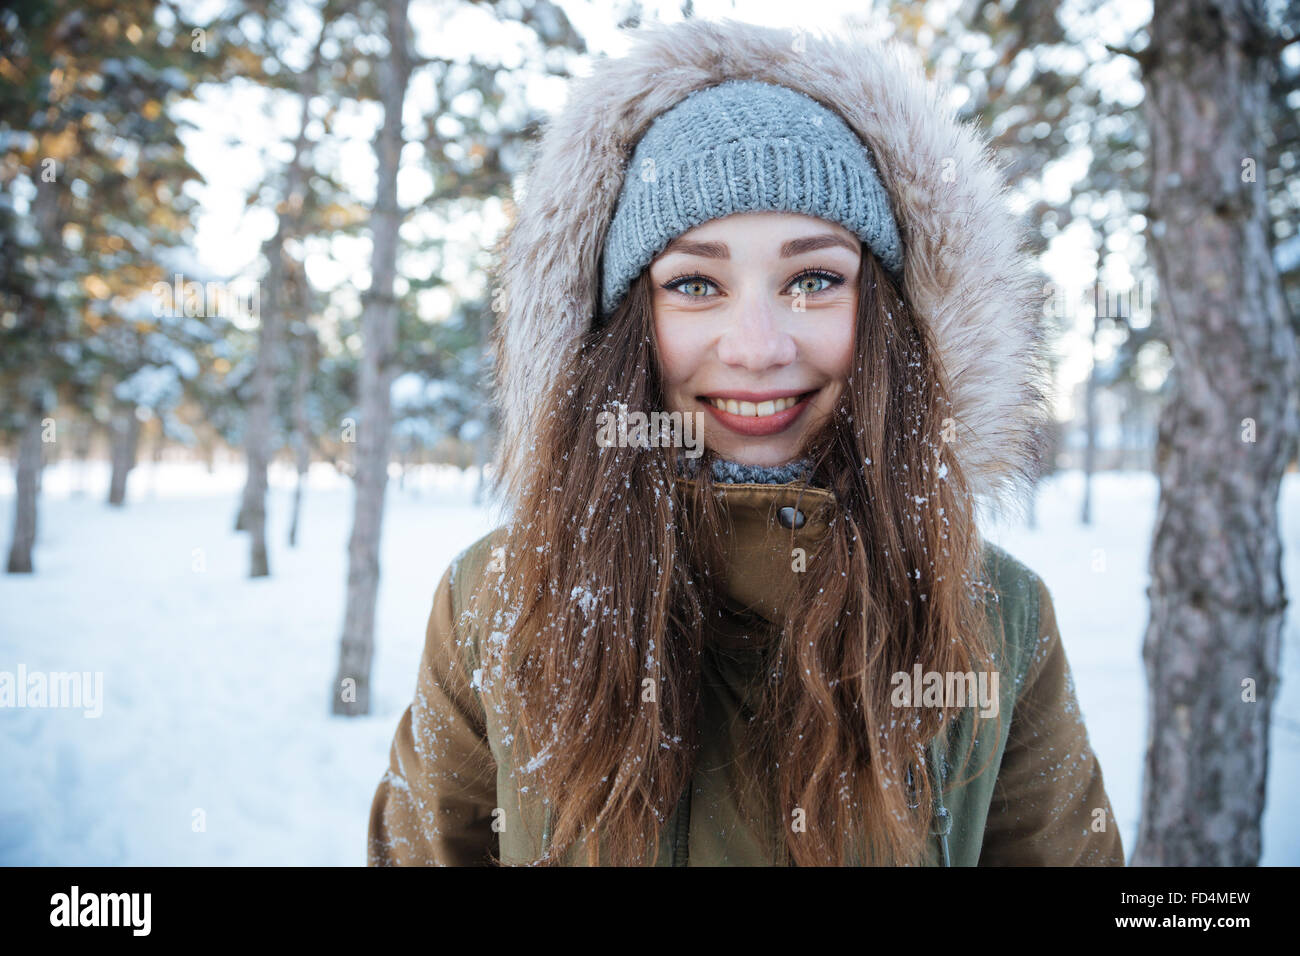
(757, 454)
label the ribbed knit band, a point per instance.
(742, 146)
(727, 472)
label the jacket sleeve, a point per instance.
(434, 804)
(1049, 804)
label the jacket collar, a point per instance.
(770, 529)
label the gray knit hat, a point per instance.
(742, 146)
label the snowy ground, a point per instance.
(216, 687)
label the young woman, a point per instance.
(785, 644)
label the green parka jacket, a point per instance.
(1041, 801)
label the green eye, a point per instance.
(693, 286)
(815, 281)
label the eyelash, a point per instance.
(834, 277)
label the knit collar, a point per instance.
(729, 472)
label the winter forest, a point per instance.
(246, 379)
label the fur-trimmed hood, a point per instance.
(964, 271)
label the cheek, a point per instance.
(831, 348)
(680, 348)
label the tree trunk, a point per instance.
(124, 443)
(482, 456)
(257, 441)
(304, 355)
(156, 455)
(32, 394)
(27, 483)
(351, 691)
(83, 433)
(303, 462)
(1216, 596)
(1090, 426)
(252, 512)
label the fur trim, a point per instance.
(964, 271)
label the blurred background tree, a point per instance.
(94, 174)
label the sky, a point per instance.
(237, 131)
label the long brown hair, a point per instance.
(604, 607)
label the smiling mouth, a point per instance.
(756, 414)
(760, 409)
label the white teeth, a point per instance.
(751, 410)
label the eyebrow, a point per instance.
(794, 247)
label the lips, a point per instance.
(756, 413)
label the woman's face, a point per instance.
(754, 315)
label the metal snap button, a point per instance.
(790, 518)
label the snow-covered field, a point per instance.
(216, 745)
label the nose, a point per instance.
(755, 337)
